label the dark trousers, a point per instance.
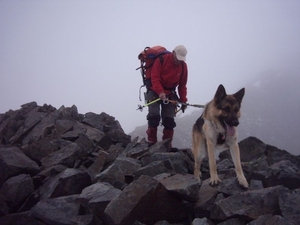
(160, 111)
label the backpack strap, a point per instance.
(160, 56)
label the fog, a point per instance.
(84, 53)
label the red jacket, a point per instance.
(168, 76)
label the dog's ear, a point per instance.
(220, 94)
(239, 95)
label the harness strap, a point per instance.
(222, 136)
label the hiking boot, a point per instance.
(152, 135)
(168, 134)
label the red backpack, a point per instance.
(147, 58)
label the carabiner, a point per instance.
(166, 101)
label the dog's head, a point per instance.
(229, 105)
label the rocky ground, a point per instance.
(59, 167)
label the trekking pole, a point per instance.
(140, 107)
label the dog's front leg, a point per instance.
(214, 179)
(235, 154)
(199, 152)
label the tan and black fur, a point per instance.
(216, 131)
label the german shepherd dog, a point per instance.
(216, 131)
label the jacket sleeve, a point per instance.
(156, 77)
(182, 90)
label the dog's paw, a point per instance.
(243, 182)
(214, 181)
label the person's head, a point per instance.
(179, 53)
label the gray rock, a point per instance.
(145, 200)
(202, 221)
(14, 162)
(250, 204)
(22, 218)
(37, 150)
(114, 151)
(255, 185)
(233, 221)
(43, 128)
(68, 182)
(94, 134)
(93, 120)
(56, 211)
(16, 189)
(289, 203)
(69, 113)
(163, 222)
(275, 155)
(176, 159)
(230, 186)
(261, 220)
(98, 164)
(283, 172)
(86, 144)
(139, 149)
(31, 120)
(251, 148)
(160, 146)
(117, 172)
(97, 196)
(184, 186)
(63, 126)
(88, 219)
(13, 121)
(4, 209)
(207, 196)
(225, 165)
(155, 168)
(279, 220)
(65, 156)
(129, 147)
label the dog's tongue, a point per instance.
(230, 130)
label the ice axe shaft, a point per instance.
(140, 107)
(193, 105)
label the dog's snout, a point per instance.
(235, 122)
(232, 122)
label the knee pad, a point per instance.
(153, 121)
(169, 123)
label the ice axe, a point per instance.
(140, 107)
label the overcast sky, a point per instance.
(84, 53)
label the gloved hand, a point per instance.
(183, 107)
(162, 96)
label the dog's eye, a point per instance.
(226, 109)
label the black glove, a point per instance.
(183, 107)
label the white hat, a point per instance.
(180, 52)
